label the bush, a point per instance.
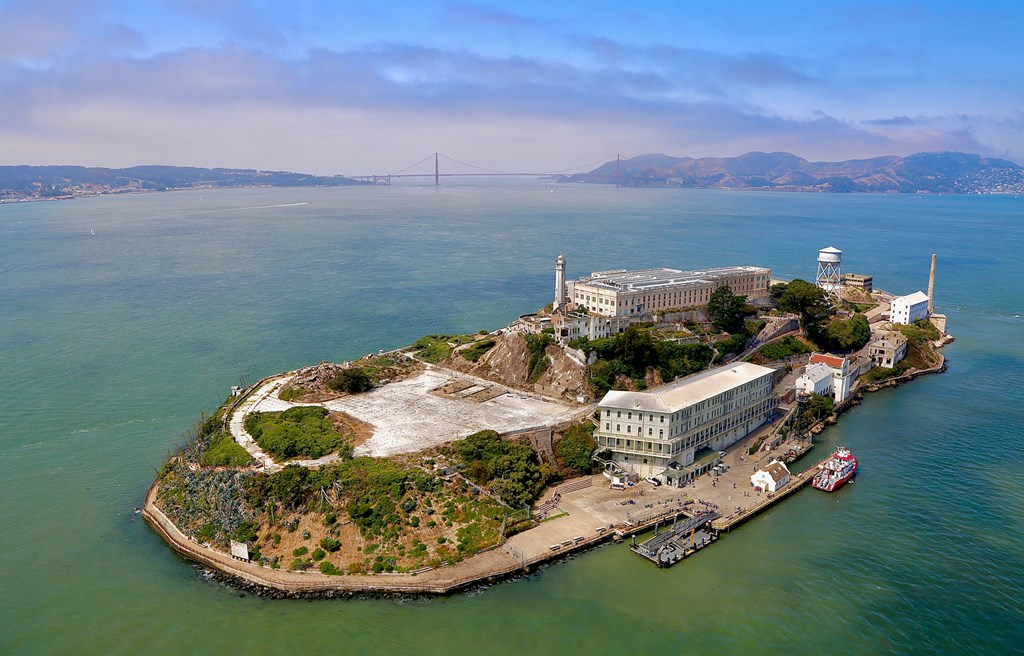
(783, 348)
(303, 431)
(301, 551)
(327, 567)
(330, 544)
(573, 450)
(536, 345)
(318, 554)
(473, 353)
(225, 452)
(352, 380)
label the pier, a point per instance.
(678, 541)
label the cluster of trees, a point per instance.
(630, 353)
(728, 311)
(572, 452)
(815, 310)
(302, 431)
(510, 468)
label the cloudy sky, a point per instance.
(372, 87)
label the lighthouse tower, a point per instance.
(560, 305)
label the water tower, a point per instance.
(830, 275)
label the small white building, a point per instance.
(771, 478)
(240, 551)
(816, 379)
(908, 309)
(842, 378)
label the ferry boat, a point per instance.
(840, 468)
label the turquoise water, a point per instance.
(111, 344)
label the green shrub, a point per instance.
(327, 567)
(538, 363)
(225, 452)
(352, 380)
(301, 551)
(318, 554)
(573, 450)
(300, 431)
(783, 348)
(330, 544)
(473, 353)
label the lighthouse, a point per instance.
(559, 306)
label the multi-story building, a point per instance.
(888, 350)
(817, 378)
(645, 431)
(623, 293)
(908, 309)
(860, 282)
(842, 378)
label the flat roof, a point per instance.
(686, 391)
(645, 279)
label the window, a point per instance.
(607, 426)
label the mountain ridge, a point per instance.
(935, 172)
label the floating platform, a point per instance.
(678, 541)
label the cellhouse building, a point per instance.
(683, 424)
(624, 293)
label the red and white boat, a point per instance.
(838, 469)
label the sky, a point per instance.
(357, 88)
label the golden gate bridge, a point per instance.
(482, 171)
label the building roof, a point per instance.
(830, 249)
(240, 550)
(686, 391)
(912, 299)
(817, 372)
(648, 279)
(833, 361)
(777, 470)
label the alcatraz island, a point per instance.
(657, 398)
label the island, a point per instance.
(655, 398)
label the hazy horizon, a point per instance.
(345, 88)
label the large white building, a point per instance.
(842, 377)
(623, 293)
(908, 309)
(645, 431)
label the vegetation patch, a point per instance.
(435, 348)
(783, 348)
(510, 468)
(538, 364)
(630, 353)
(477, 349)
(352, 380)
(303, 431)
(224, 451)
(573, 451)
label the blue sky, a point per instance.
(360, 87)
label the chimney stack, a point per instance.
(931, 288)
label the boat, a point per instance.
(838, 469)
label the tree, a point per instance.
(352, 380)
(574, 449)
(848, 334)
(803, 298)
(727, 310)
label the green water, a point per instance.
(111, 344)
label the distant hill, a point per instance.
(21, 182)
(946, 172)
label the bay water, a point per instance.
(111, 343)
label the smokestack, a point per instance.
(931, 288)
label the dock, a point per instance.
(678, 541)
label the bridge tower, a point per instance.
(437, 177)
